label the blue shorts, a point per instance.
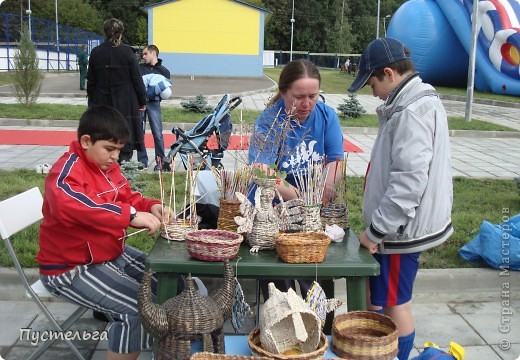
(394, 285)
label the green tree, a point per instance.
(27, 75)
(128, 11)
(320, 26)
(83, 15)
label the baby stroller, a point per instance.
(194, 141)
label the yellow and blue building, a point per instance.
(208, 37)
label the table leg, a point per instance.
(328, 288)
(356, 293)
(167, 286)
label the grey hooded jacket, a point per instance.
(409, 192)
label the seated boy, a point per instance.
(88, 204)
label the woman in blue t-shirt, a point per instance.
(294, 130)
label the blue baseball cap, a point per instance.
(379, 53)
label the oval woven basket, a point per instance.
(256, 348)
(178, 228)
(364, 335)
(303, 247)
(213, 245)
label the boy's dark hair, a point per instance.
(103, 122)
(401, 66)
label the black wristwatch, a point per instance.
(133, 213)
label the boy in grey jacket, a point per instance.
(408, 193)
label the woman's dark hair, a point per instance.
(401, 66)
(103, 122)
(295, 70)
(113, 30)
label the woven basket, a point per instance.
(364, 335)
(304, 247)
(269, 182)
(226, 216)
(177, 230)
(213, 245)
(211, 356)
(336, 214)
(256, 348)
(312, 219)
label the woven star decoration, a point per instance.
(318, 302)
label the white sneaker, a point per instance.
(43, 168)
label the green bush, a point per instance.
(199, 105)
(351, 108)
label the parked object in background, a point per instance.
(488, 245)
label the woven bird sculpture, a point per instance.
(187, 317)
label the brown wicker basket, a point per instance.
(256, 348)
(303, 247)
(364, 335)
(211, 356)
(213, 245)
(226, 215)
(178, 228)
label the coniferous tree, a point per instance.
(27, 75)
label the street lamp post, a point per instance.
(378, 17)
(387, 17)
(292, 30)
(28, 12)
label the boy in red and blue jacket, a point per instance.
(88, 205)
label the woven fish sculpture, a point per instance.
(318, 302)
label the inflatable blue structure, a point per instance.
(438, 32)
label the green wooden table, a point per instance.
(345, 259)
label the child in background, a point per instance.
(408, 193)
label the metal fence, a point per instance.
(57, 45)
(322, 60)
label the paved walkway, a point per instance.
(474, 154)
(468, 306)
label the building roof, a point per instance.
(145, 8)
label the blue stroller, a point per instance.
(194, 142)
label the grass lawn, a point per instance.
(475, 200)
(334, 82)
(179, 115)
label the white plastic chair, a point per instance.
(16, 214)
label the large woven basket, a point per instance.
(226, 215)
(256, 348)
(364, 335)
(213, 245)
(303, 247)
(211, 356)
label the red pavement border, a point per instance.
(64, 138)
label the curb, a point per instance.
(431, 285)
(481, 101)
(47, 123)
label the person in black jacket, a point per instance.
(153, 65)
(114, 79)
